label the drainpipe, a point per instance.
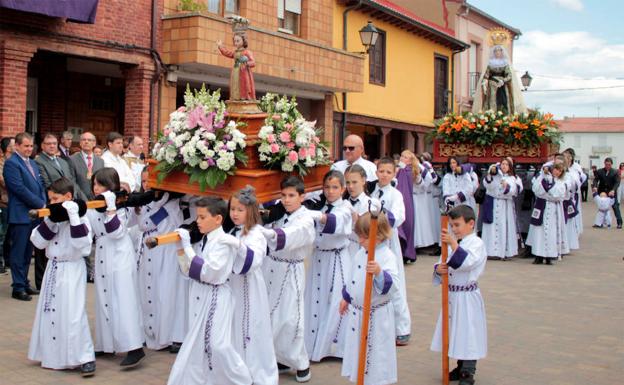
(156, 77)
(343, 129)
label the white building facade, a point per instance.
(594, 139)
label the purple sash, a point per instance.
(488, 209)
(569, 209)
(537, 217)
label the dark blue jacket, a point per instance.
(25, 191)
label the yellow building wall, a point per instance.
(408, 95)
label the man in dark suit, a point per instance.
(86, 163)
(607, 180)
(53, 167)
(26, 191)
(65, 146)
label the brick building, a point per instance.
(87, 66)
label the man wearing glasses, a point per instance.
(86, 163)
(353, 148)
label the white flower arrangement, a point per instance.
(198, 141)
(287, 140)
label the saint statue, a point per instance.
(499, 87)
(241, 79)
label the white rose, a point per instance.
(231, 145)
(210, 153)
(203, 165)
(287, 167)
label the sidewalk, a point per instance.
(555, 325)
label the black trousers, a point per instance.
(41, 261)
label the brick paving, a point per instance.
(561, 324)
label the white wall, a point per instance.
(584, 144)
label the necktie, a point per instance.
(58, 165)
(89, 164)
(30, 168)
(204, 239)
(235, 230)
(353, 201)
(329, 208)
(380, 193)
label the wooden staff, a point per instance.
(163, 239)
(45, 212)
(445, 310)
(368, 288)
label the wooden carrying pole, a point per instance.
(366, 306)
(445, 310)
(45, 212)
(163, 239)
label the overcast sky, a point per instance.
(568, 44)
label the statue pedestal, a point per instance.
(491, 154)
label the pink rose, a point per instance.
(316, 139)
(271, 138)
(274, 148)
(302, 153)
(292, 156)
(312, 148)
(284, 137)
(277, 117)
(288, 126)
(290, 145)
(167, 131)
(182, 109)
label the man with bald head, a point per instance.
(353, 148)
(86, 163)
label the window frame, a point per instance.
(372, 78)
(222, 12)
(281, 22)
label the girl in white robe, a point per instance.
(327, 273)
(252, 337)
(118, 318)
(570, 210)
(381, 362)
(163, 289)
(499, 232)
(207, 355)
(547, 233)
(60, 337)
(355, 180)
(458, 186)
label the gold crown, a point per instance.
(499, 36)
(239, 24)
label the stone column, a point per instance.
(383, 145)
(421, 142)
(137, 104)
(14, 59)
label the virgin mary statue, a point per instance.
(499, 87)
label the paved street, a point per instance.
(561, 324)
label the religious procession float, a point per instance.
(212, 147)
(499, 124)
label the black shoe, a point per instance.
(466, 378)
(538, 261)
(21, 295)
(402, 340)
(174, 348)
(133, 358)
(88, 369)
(619, 226)
(101, 354)
(282, 368)
(454, 374)
(31, 291)
(303, 375)
(548, 261)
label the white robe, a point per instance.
(121, 166)
(603, 215)
(381, 367)
(392, 201)
(550, 239)
(581, 177)
(252, 337)
(163, 289)
(461, 185)
(284, 274)
(326, 275)
(425, 233)
(501, 236)
(359, 207)
(467, 321)
(118, 318)
(572, 183)
(60, 337)
(207, 355)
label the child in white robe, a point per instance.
(458, 186)
(355, 180)
(252, 335)
(118, 319)
(499, 233)
(327, 273)
(604, 204)
(60, 337)
(163, 290)
(290, 241)
(392, 202)
(425, 233)
(381, 362)
(207, 355)
(467, 322)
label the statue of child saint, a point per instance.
(500, 90)
(241, 79)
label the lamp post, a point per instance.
(526, 80)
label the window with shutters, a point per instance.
(377, 61)
(223, 7)
(289, 16)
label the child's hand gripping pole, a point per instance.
(368, 287)
(445, 302)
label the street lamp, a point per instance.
(369, 35)
(526, 80)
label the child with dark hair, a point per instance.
(290, 241)
(60, 337)
(207, 355)
(467, 322)
(393, 205)
(252, 323)
(381, 363)
(355, 180)
(328, 271)
(118, 320)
